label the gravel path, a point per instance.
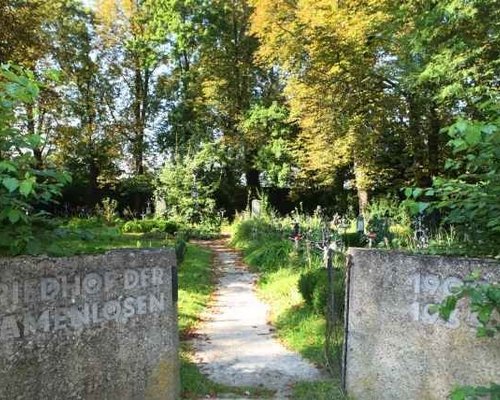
(236, 345)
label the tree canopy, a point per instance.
(349, 98)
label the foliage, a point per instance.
(268, 133)
(322, 390)
(187, 184)
(484, 299)
(475, 392)
(136, 191)
(469, 198)
(308, 282)
(25, 186)
(269, 256)
(390, 220)
(83, 223)
(347, 97)
(313, 286)
(472, 197)
(108, 210)
(150, 225)
(180, 248)
(66, 240)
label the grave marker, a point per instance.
(256, 208)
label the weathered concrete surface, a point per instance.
(237, 346)
(395, 348)
(89, 327)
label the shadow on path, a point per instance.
(236, 345)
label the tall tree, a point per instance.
(329, 52)
(133, 55)
(23, 39)
(88, 141)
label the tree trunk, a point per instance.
(37, 152)
(416, 140)
(433, 143)
(362, 200)
(138, 141)
(93, 189)
(361, 187)
(253, 181)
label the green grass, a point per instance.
(196, 283)
(322, 390)
(64, 241)
(299, 328)
(297, 325)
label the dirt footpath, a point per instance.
(236, 345)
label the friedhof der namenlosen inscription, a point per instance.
(91, 327)
(396, 347)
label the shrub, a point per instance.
(320, 294)
(313, 286)
(253, 230)
(180, 248)
(150, 226)
(269, 256)
(108, 210)
(187, 184)
(25, 186)
(307, 283)
(84, 223)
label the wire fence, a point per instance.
(330, 244)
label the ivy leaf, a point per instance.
(11, 184)
(447, 307)
(485, 314)
(458, 394)
(422, 207)
(461, 125)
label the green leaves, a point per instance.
(476, 392)
(469, 199)
(34, 141)
(26, 186)
(11, 184)
(484, 300)
(447, 307)
(7, 166)
(23, 187)
(473, 135)
(14, 215)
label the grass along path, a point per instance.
(299, 328)
(196, 285)
(297, 324)
(238, 346)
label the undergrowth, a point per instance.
(300, 325)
